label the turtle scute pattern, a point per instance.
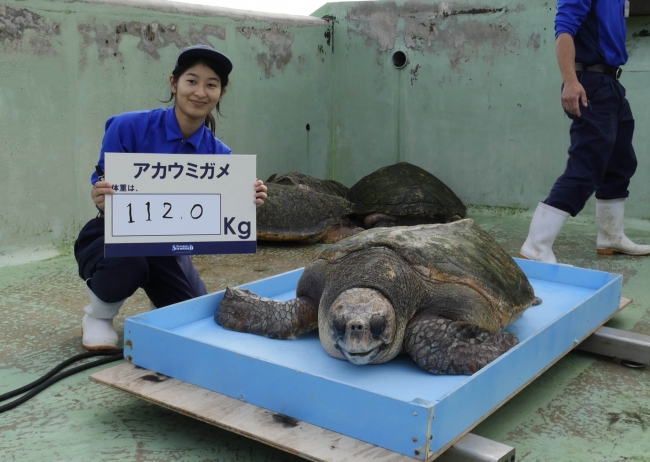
(309, 183)
(296, 214)
(460, 253)
(404, 194)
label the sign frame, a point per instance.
(179, 204)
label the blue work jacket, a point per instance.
(597, 28)
(156, 132)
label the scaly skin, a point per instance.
(243, 311)
(442, 346)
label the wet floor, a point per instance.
(584, 408)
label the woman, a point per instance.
(198, 83)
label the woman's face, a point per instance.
(197, 91)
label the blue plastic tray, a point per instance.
(395, 405)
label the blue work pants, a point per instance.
(601, 156)
(166, 280)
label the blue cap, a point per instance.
(207, 52)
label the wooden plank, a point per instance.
(282, 432)
(624, 302)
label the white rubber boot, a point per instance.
(97, 324)
(544, 228)
(611, 238)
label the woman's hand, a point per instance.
(260, 192)
(100, 189)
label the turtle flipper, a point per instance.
(443, 346)
(243, 311)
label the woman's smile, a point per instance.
(197, 91)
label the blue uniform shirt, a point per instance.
(155, 132)
(597, 28)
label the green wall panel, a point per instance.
(478, 103)
(66, 67)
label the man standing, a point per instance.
(590, 47)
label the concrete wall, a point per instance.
(478, 104)
(65, 67)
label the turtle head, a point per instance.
(359, 327)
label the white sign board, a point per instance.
(179, 204)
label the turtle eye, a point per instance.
(339, 326)
(377, 325)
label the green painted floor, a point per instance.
(584, 408)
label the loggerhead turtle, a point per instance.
(297, 214)
(309, 183)
(440, 292)
(403, 194)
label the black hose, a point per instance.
(52, 377)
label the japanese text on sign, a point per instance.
(175, 170)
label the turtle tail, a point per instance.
(443, 346)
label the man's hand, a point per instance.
(573, 95)
(99, 190)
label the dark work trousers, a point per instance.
(166, 280)
(601, 156)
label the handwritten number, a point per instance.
(192, 212)
(196, 209)
(168, 210)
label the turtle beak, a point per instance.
(361, 358)
(359, 340)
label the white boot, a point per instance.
(611, 238)
(97, 324)
(544, 228)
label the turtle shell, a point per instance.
(460, 252)
(296, 214)
(310, 183)
(405, 190)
